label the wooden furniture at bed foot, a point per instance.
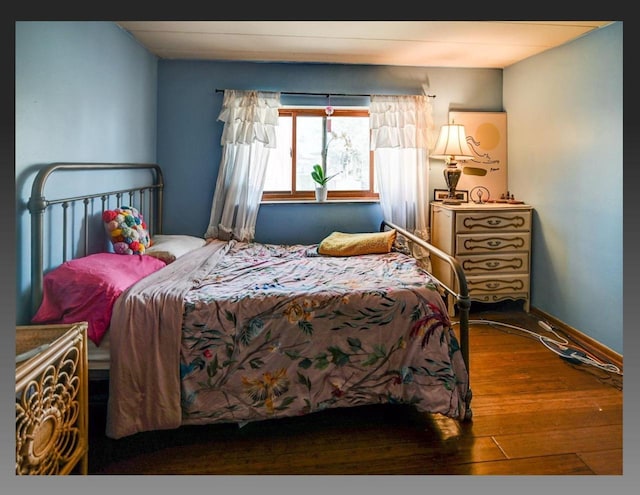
(492, 242)
(52, 399)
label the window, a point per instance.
(304, 139)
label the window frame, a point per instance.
(343, 195)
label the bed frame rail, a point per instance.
(463, 301)
(39, 203)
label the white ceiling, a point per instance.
(472, 44)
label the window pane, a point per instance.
(309, 130)
(348, 153)
(278, 176)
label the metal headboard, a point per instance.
(39, 203)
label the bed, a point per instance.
(226, 331)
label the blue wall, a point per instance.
(189, 135)
(85, 92)
(565, 157)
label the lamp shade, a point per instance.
(452, 144)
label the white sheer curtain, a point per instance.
(401, 133)
(250, 120)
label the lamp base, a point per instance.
(451, 176)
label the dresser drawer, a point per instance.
(486, 264)
(490, 243)
(477, 221)
(498, 297)
(497, 284)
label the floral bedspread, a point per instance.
(279, 331)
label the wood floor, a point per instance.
(533, 414)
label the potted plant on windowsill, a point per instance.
(319, 177)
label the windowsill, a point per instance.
(313, 201)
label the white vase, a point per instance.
(321, 193)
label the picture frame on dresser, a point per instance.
(460, 194)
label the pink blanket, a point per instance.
(145, 332)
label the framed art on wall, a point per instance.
(487, 138)
(460, 195)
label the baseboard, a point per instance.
(590, 345)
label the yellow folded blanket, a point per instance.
(342, 244)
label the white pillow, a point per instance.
(169, 248)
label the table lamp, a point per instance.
(452, 147)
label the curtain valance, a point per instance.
(249, 117)
(400, 121)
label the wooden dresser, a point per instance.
(492, 242)
(52, 388)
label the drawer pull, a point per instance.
(494, 221)
(491, 264)
(498, 284)
(493, 243)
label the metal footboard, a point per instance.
(462, 296)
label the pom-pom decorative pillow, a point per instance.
(127, 230)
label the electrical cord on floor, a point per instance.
(559, 345)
